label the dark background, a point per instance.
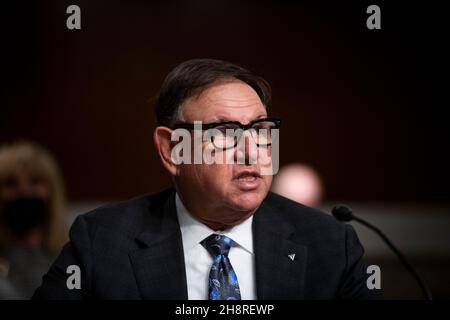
(366, 108)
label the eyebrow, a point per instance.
(229, 120)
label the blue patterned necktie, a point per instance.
(223, 282)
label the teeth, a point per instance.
(247, 178)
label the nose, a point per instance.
(25, 188)
(246, 150)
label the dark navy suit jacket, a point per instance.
(133, 250)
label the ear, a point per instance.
(164, 144)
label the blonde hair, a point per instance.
(33, 159)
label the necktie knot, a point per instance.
(217, 245)
(223, 282)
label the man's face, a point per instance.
(224, 186)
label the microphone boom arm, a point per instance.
(426, 291)
(345, 214)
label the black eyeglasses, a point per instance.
(226, 134)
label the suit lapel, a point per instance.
(159, 265)
(280, 263)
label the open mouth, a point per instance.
(248, 176)
(248, 180)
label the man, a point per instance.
(220, 234)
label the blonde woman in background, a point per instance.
(32, 223)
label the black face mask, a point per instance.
(24, 214)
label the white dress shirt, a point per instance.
(198, 261)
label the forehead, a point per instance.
(232, 100)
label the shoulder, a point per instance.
(127, 216)
(294, 211)
(308, 221)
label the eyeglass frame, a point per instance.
(243, 127)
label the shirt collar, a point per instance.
(193, 231)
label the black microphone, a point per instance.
(345, 214)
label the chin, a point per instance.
(248, 201)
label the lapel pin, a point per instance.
(291, 256)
